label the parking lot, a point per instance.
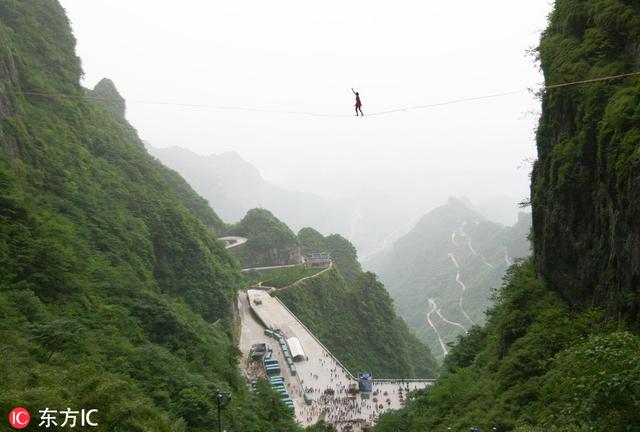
(320, 374)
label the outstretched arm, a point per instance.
(354, 92)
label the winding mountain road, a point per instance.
(461, 299)
(457, 324)
(299, 281)
(455, 263)
(433, 308)
(473, 251)
(453, 239)
(484, 261)
(460, 230)
(507, 259)
(233, 241)
(271, 267)
(471, 247)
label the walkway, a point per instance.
(321, 371)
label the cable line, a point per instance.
(592, 80)
(326, 115)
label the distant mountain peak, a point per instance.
(463, 201)
(107, 95)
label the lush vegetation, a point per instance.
(585, 192)
(280, 278)
(419, 267)
(358, 324)
(114, 293)
(343, 253)
(560, 350)
(537, 365)
(271, 242)
(352, 315)
(234, 186)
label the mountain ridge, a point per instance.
(441, 274)
(561, 347)
(114, 293)
(233, 186)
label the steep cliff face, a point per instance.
(547, 359)
(586, 183)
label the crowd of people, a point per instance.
(337, 403)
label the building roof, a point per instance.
(295, 347)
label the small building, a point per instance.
(320, 259)
(295, 348)
(365, 383)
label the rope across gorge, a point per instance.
(327, 115)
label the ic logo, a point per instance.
(19, 418)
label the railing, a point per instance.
(316, 339)
(379, 381)
(404, 380)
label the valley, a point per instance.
(168, 291)
(453, 258)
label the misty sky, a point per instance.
(295, 55)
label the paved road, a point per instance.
(233, 241)
(457, 324)
(461, 232)
(433, 308)
(319, 372)
(306, 278)
(270, 267)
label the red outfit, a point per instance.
(358, 102)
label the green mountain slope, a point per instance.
(233, 186)
(342, 252)
(270, 241)
(560, 351)
(114, 293)
(357, 323)
(347, 309)
(354, 317)
(450, 248)
(585, 185)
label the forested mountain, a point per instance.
(351, 312)
(560, 350)
(270, 241)
(370, 219)
(442, 272)
(114, 293)
(342, 252)
(233, 186)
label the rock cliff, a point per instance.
(586, 183)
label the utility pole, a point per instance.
(220, 397)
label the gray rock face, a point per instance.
(291, 254)
(586, 182)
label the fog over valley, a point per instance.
(264, 58)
